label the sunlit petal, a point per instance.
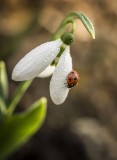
(37, 60)
(58, 86)
(47, 72)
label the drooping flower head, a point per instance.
(54, 58)
(37, 63)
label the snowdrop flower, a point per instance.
(54, 58)
(37, 63)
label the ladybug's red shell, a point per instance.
(72, 79)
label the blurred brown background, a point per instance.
(85, 126)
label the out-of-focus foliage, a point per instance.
(3, 87)
(3, 81)
(16, 129)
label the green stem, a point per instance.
(61, 28)
(18, 95)
(3, 81)
(3, 108)
(55, 61)
(70, 19)
(73, 26)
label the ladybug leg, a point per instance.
(65, 82)
(66, 85)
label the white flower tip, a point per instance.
(57, 103)
(47, 72)
(15, 76)
(58, 100)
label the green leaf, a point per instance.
(17, 129)
(21, 89)
(3, 81)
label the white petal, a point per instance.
(47, 72)
(58, 86)
(37, 60)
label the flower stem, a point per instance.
(55, 61)
(61, 28)
(18, 95)
(73, 26)
(3, 108)
(70, 19)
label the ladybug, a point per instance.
(72, 79)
